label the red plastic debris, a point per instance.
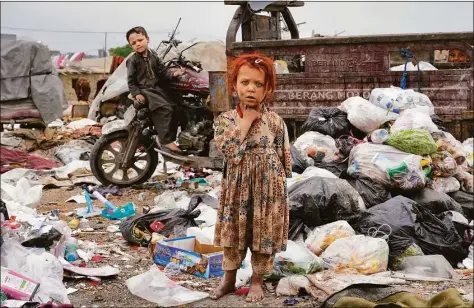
(242, 291)
(97, 258)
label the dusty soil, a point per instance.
(113, 292)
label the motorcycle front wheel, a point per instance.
(107, 170)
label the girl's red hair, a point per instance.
(257, 61)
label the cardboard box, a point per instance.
(17, 286)
(193, 257)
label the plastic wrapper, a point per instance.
(314, 146)
(308, 173)
(364, 115)
(407, 222)
(397, 100)
(444, 185)
(467, 146)
(317, 201)
(328, 121)
(466, 179)
(414, 119)
(379, 136)
(444, 164)
(427, 268)
(411, 251)
(358, 253)
(388, 166)
(296, 260)
(320, 238)
(414, 141)
(155, 287)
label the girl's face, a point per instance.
(138, 41)
(250, 86)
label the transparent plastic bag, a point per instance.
(414, 119)
(444, 164)
(155, 287)
(398, 100)
(292, 285)
(388, 166)
(314, 146)
(446, 142)
(411, 251)
(427, 268)
(358, 253)
(444, 185)
(466, 179)
(364, 115)
(321, 237)
(296, 260)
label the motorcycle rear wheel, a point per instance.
(109, 147)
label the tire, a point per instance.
(96, 161)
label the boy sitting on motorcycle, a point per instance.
(147, 81)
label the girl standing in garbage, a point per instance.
(253, 206)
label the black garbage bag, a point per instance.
(372, 193)
(336, 167)
(298, 164)
(43, 240)
(346, 143)
(466, 200)
(316, 201)
(407, 222)
(434, 201)
(328, 121)
(136, 229)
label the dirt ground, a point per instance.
(113, 292)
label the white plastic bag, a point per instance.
(376, 162)
(208, 215)
(23, 193)
(297, 259)
(165, 201)
(398, 100)
(316, 146)
(444, 185)
(467, 146)
(364, 115)
(245, 272)
(359, 253)
(308, 173)
(155, 287)
(414, 118)
(204, 235)
(426, 268)
(48, 270)
(322, 237)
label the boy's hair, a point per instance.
(257, 61)
(137, 30)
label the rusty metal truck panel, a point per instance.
(324, 71)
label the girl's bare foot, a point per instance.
(227, 285)
(256, 289)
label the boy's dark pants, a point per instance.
(163, 108)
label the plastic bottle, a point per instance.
(70, 253)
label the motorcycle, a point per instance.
(128, 155)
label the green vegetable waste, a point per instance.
(414, 141)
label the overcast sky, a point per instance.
(209, 20)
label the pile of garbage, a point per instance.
(381, 193)
(381, 177)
